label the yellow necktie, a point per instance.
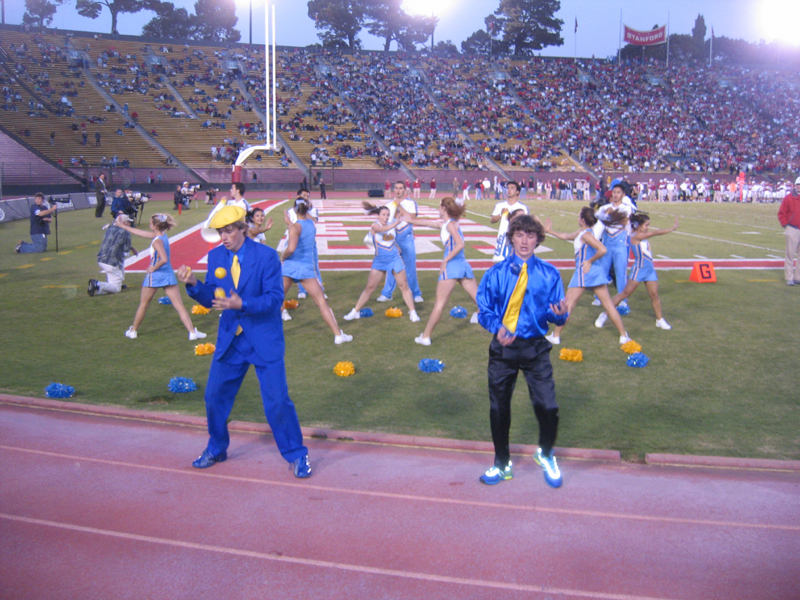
(511, 317)
(235, 271)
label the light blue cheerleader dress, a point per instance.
(300, 265)
(457, 267)
(596, 275)
(642, 268)
(164, 276)
(387, 258)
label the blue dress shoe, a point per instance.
(206, 459)
(302, 467)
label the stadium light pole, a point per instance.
(250, 22)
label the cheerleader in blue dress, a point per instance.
(159, 273)
(454, 268)
(387, 260)
(642, 270)
(299, 266)
(258, 225)
(589, 273)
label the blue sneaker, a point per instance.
(302, 467)
(552, 474)
(495, 475)
(206, 459)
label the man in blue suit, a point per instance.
(244, 280)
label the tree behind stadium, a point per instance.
(529, 25)
(92, 9)
(39, 13)
(213, 21)
(338, 21)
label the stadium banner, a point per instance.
(646, 38)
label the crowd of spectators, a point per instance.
(449, 113)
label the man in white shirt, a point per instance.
(503, 212)
(405, 241)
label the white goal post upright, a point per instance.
(270, 96)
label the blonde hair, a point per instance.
(453, 209)
(162, 221)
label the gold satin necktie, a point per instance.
(511, 318)
(235, 271)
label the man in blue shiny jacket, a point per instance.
(517, 298)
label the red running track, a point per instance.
(105, 507)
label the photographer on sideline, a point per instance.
(115, 247)
(122, 205)
(40, 226)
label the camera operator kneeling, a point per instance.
(111, 260)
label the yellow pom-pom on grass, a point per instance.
(344, 369)
(631, 347)
(219, 293)
(200, 310)
(290, 304)
(220, 273)
(202, 349)
(571, 355)
(394, 312)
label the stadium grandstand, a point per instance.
(78, 104)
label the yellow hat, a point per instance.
(226, 215)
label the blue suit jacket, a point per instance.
(260, 286)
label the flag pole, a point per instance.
(619, 49)
(668, 38)
(575, 53)
(711, 48)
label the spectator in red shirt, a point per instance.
(789, 217)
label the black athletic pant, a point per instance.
(101, 205)
(532, 357)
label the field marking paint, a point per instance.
(654, 212)
(410, 497)
(324, 564)
(703, 237)
(662, 256)
(3, 275)
(24, 266)
(700, 256)
(65, 252)
(761, 280)
(737, 256)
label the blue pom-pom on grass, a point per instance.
(164, 300)
(459, 312)
(180, 385)
(638, 360)
(624, 309)
(431, 365)
(59, 390)
(366, 312)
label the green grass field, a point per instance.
(724, 381)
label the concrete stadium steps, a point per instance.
(88, 103)
(19, 166)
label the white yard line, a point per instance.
(654, 212)
(704, 237)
